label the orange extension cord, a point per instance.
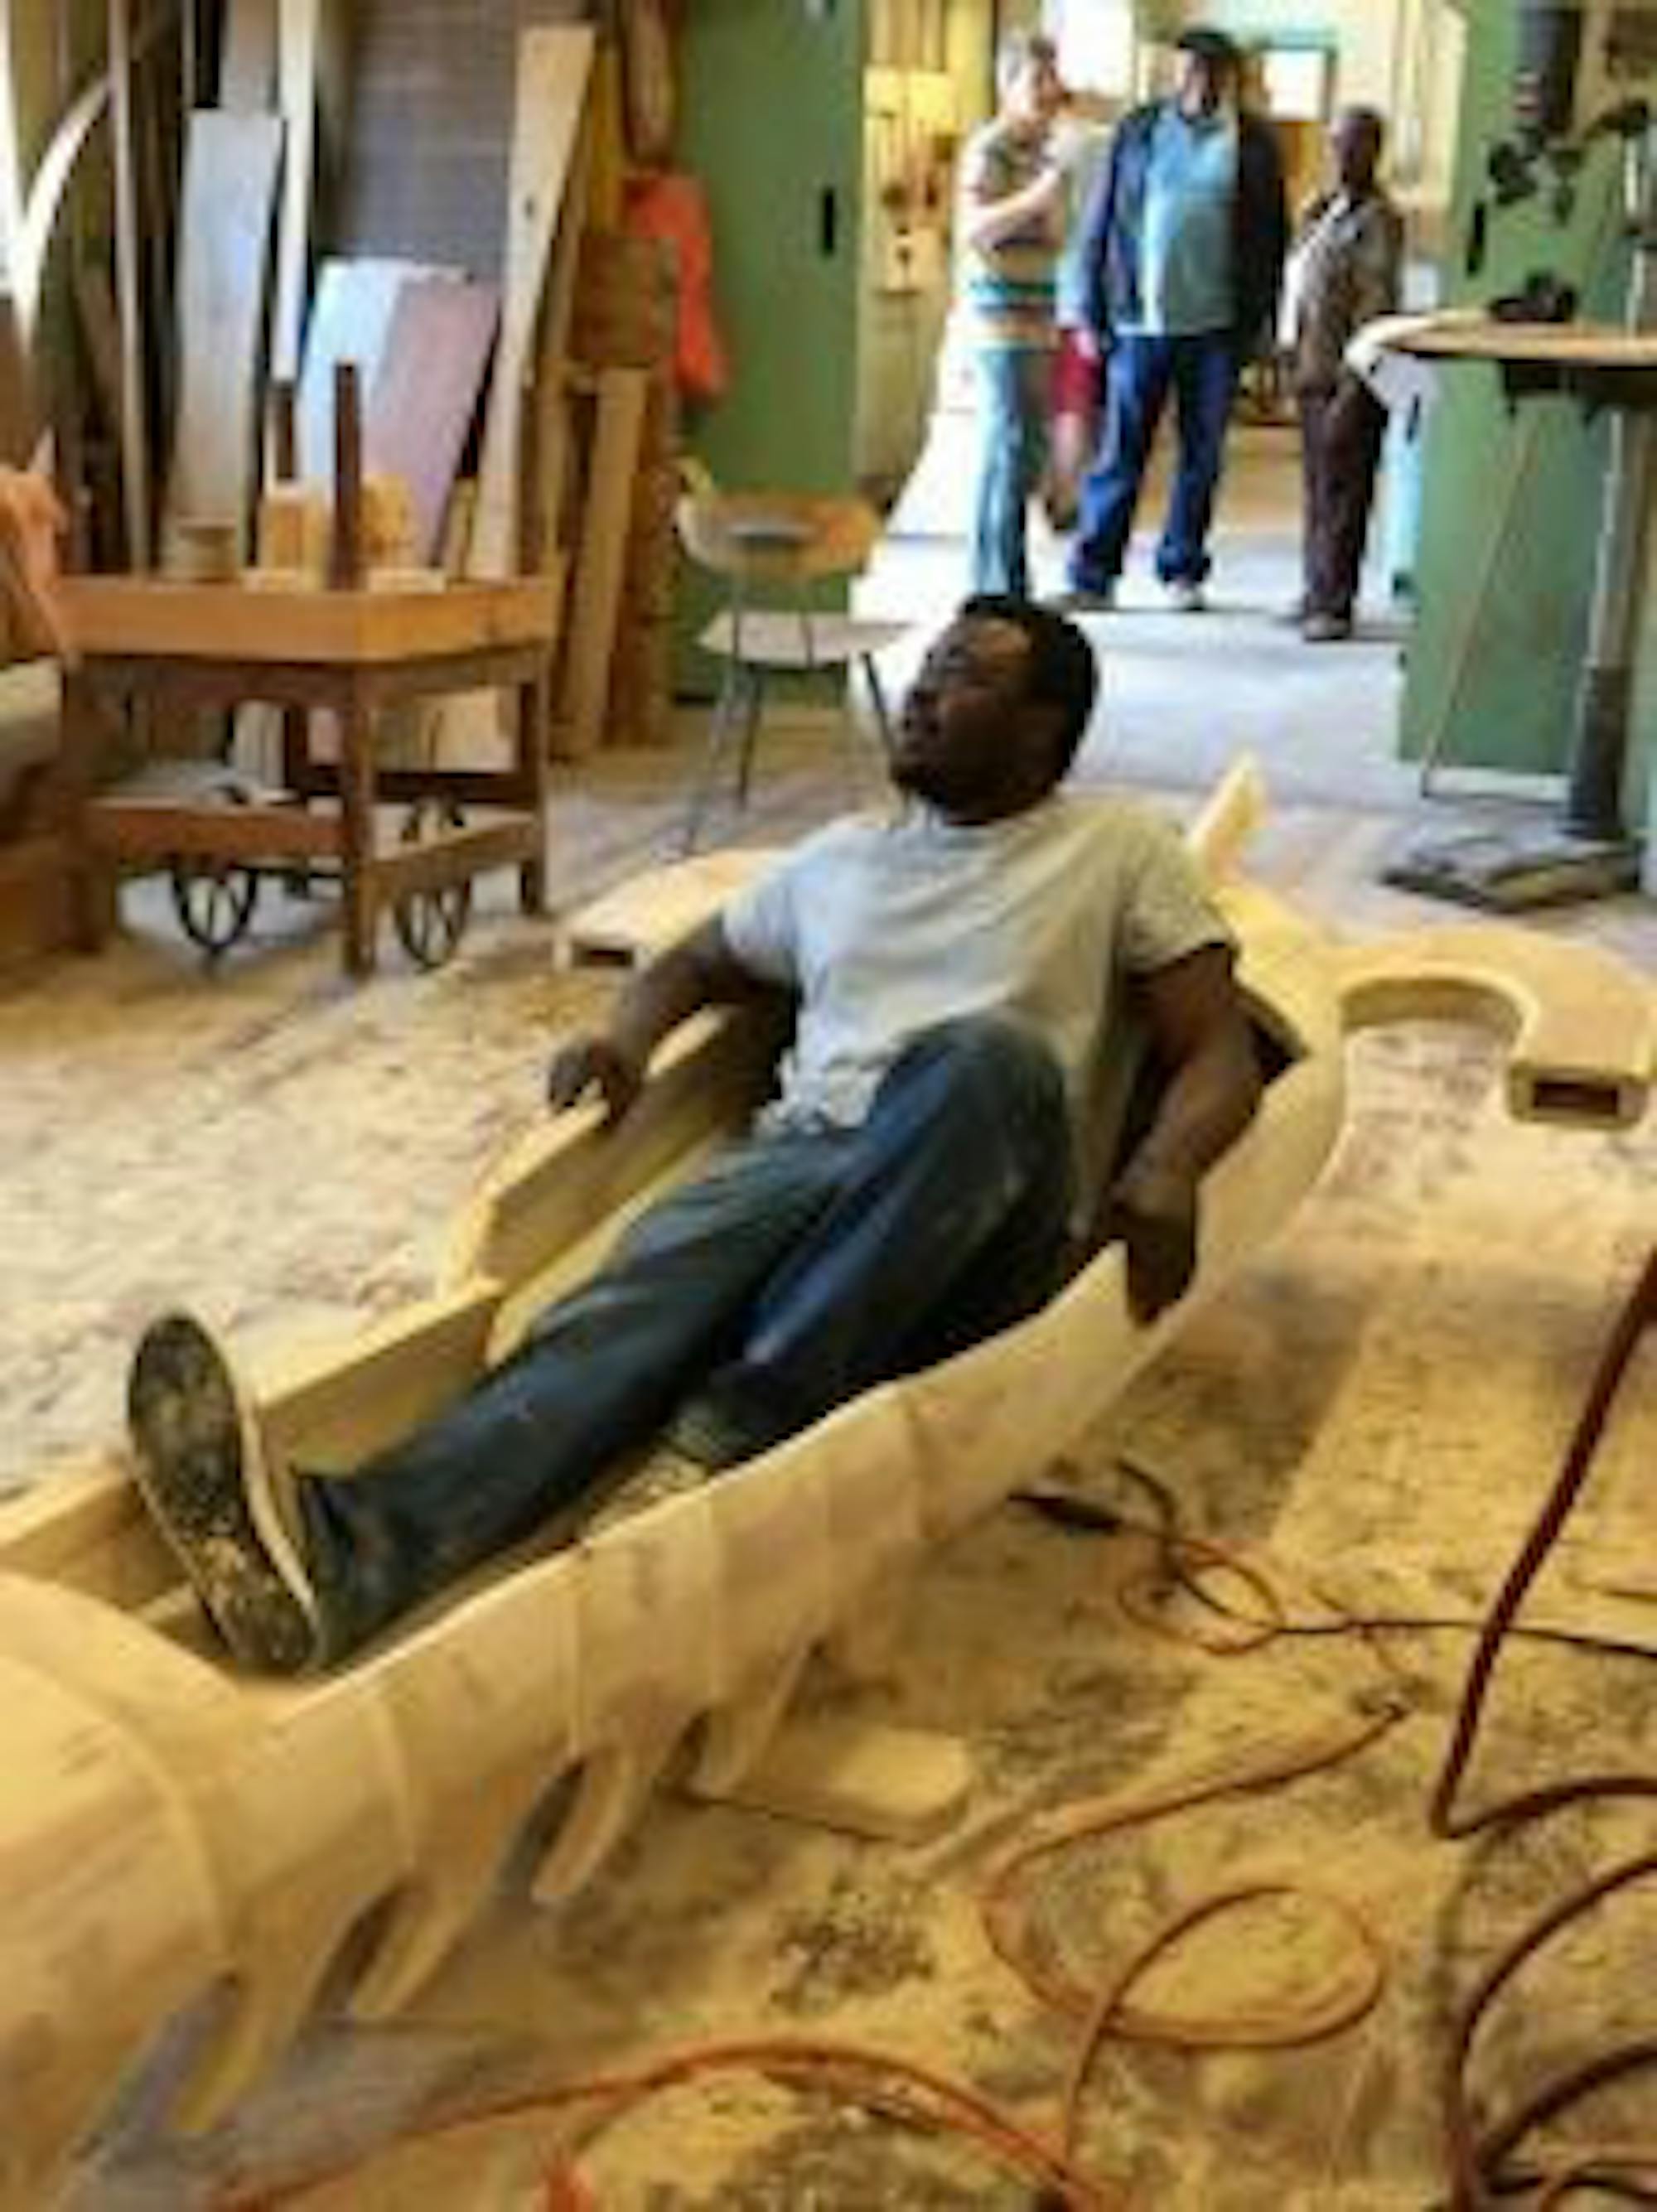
(894, 2088)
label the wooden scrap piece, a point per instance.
(602, 561)
(860, 1777)
(423, 401)
(230, 194)
(646, 914)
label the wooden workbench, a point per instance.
(1606, 364)
(350, 654)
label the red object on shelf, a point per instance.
(673, 206)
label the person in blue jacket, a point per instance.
(1183, 249)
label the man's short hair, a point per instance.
(1061, 672)
(1220, 53)
(1366, 119)
(1017, 50)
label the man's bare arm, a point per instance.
(987, 222)
(1202, 1037)
(698, 972)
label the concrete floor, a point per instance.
(1375, 1406)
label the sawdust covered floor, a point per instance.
(1375, 1407)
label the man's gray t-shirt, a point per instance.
(885, 929)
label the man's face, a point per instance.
(1355, 150)
(969, 737)
(1200, 87)
(1037, 93)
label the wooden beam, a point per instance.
(601, 564)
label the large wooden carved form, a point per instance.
(168, 1831)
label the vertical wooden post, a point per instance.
(135, 433)
(346, 570)
(284, 430)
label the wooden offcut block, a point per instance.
(896, 1785)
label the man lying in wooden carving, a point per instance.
(920, 1181)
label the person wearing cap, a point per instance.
(1183, 249)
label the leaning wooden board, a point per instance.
(423, 401)
(605, 528)
(116, 617)
(298, 21)
(350, 320)
(229, 203)
(247, 65)
(553, 67)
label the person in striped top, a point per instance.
(1013, 198)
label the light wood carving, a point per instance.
(169, 1832)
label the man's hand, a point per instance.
(1154, 1211)
(595, 1063)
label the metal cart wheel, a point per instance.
(215, 900)
(431, 924)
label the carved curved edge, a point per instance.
(187, 1832)
(1580, 1026)
(401, 1788)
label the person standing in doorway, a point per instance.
(1013, 195)
(1346, 271)
(1183, 248)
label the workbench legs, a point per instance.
(360, 920)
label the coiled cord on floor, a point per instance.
(1479, 2163)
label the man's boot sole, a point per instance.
(202, 1476)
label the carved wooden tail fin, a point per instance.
(1228, 820)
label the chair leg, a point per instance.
(877, 700)
(731, 703)
(751, 734)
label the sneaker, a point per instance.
(1327, 628)
(1183, 596)
(1079, 599)
(202, 1469)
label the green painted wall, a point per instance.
(772, 109)
(1494, 660)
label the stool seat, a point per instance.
(782, 638)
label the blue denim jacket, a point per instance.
(1112, 228)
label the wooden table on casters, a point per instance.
(351, 653)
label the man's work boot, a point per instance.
(201, 1468)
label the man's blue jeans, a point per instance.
(1014, 400)
(804, 1268)
(1202, 374)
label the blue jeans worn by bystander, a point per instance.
(1202, 373)
(1015, 398)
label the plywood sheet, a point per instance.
(424, 398)
(230, 189)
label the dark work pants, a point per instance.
(1342, 434)
(1140, 372)
(804, 1268)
